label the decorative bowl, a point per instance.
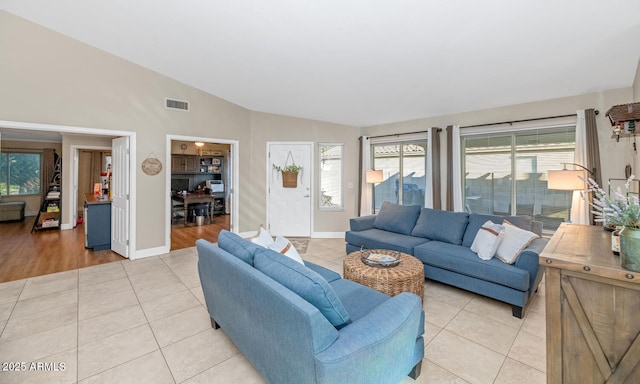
(377, 259)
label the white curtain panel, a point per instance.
(457, 170)
(579, 207)
(366, 189)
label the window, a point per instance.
(403, 166)
(506, 173)
(331, 176)
(19, 173)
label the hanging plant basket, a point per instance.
(289, 179)
(289, 172)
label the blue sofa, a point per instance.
(442, 241)
(305, 324)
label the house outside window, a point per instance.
(19, 173)
(505, 173)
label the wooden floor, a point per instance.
(24, 254)
(185, 237)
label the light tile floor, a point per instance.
(145, 321)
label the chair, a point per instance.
(177, 210)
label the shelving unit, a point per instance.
(49, 214)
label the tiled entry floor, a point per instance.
(145, 321)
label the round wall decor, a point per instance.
(151, 166)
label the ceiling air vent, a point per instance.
(176, 104)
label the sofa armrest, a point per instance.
(529, 260)
(362, 223)
(536, 227)
(388, 338)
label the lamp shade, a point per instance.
(566, 180)
(374, 176)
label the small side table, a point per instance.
(408, 276)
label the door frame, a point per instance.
(234, 190)
(311, 144)
(75, 151)
(87, 131)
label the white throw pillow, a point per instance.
(514, 241)
(487, 240)
(285, 247)
(263, 238)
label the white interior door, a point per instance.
(289, 209)
(120, 184)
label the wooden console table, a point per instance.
(592, 309)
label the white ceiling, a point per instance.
(364, 62)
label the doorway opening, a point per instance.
(201, 179)
(71, 240)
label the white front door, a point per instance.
(120, 196)
(289, 208)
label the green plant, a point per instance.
(618, 210)
(288, 168)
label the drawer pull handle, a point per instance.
(587, 268)
(629, 276)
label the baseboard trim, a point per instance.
(149, 252)
(327, 235)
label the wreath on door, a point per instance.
(289, 172)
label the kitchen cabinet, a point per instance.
(185, 164)
(593, 322)
(97, 222)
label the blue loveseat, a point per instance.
(305, 324)
(442, 241)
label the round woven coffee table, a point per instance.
(408, 276)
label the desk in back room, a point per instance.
(194, 198)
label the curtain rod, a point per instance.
(24, 149)
(524, 120)
(403, 133)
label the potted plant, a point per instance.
(289, 175)
(621, 210)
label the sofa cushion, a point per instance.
(476, 220)
(464, 261)
(379, 239)
(436, 224)
(326, 274)
(515, 240)
(397, 218)
(237, 246)
(357, 298)
(304, 282)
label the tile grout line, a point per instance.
(78, 331)
(155, 338)
(12, 310)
